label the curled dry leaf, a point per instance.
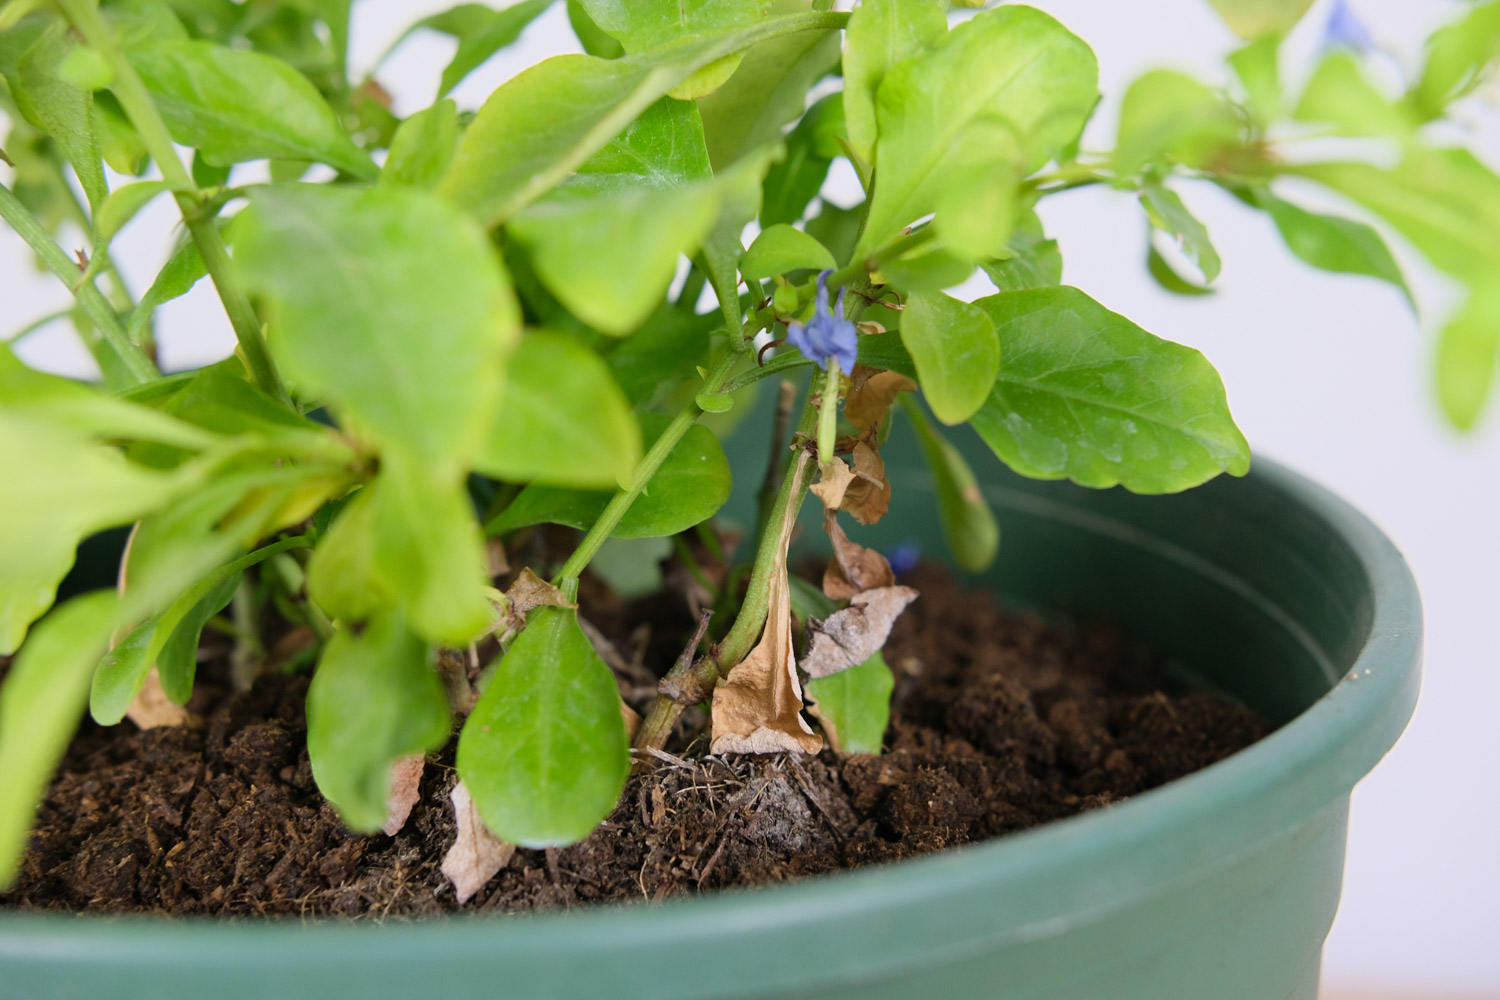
(406, 780)
(869, 495)
(476, 854)
(528, 593)
(850, 636)
(869, 328)
(834, 477)
(758, 708)
(871, 393)
(151, 707)
(853, 568)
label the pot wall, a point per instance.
(1222, 885)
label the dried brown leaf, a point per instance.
(525, 595)
(869, 328)
(834, 477)
(476, 854)
(850, 636)
(871, 393)
(869, 496)
(853, 568)
(406, 780)
(151, 707)
(758, 708)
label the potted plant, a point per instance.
(486, 327)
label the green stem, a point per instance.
(142, 112)
(111, 343)
(828, 413)
(650, 463)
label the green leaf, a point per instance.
(1445, 201)
(1167, 117)
(1085, 394)
(780, 249)
(740, 187)
(691, 485)
(373, 698)
(882, 33)
(1467, 353)
(65, 112)
(1251, 19)
(593, 39)
(1001, 94)
(562, 419)
(389, 304)
(836, 228)
(177, 277)
(956, 352)
(423, 147)
(647, 24)
(1167, 213)
(61, 488)
(1458, 56)
(342, 575)
(794, 180)
(768, 90)
(177, 664)
(969, 526)
(1166, 277)
(481, 32)
(122, 205)
(234, 105)
(545, 754)
(854, 705)
(1339, 94)
(41, 702)
(928, 270)
(1333, 243)
(887, 353)
(1034, 261)
(662, 353)
(1258, 67)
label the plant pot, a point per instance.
(1222, 885)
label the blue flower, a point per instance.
(904, 557)
(1345, 30)
(826, 335)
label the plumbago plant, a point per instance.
(465, 329)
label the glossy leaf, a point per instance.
(956, 352)
(1167, 213)
(1167, 117)
(544, 754)
(780, 249)
(423, 147)
(882, 33)
(41, 702)
(233, 105)
(1085, 394)
(969, 526)
(691, 485)
(854, 705)
(1251, 19)
(373, 698)
(61, 109)
(1332, 243)
(1001, 94)
(1034, 261)
(390, 305)
(1468, 353)
(562, 419)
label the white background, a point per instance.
(1328, 374)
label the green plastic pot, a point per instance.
(1221, 886)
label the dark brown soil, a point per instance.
(1000, 722)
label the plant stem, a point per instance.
(142, 112)
(828, 413)
(650, 463)
(111, 343)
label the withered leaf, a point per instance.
(868, 497)
(834, 477)
(528, 593)
(151, 707)
(758, 708)
(476, 854)
(871, 393)
(850, 636)
(406, 779)
(869, 328)
(853, 568)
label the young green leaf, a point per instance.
(480, 31)
(1011, 71)
(40, 705)
(1251, 19)
(1457, 57)
(544, 754)
(1258, 67)
(854, 705)
(122, 205)
(1339, 94)
(1167, 117)
(235, 105)
(177, 277)
(61, 109)
(373, 698)
(1468, 351)
(794, 180)
(969, 526)
(177, 663)
(928, 270)
(342, 575)
(882, 33)
(690, 486)
(780, 249)
(1034, 261)
(593, 39)
(562, 419)
(423, 147)
(956, 352)
(1166, 276)
(662, 354)
(1167, 213)
(389, 304)
(647, 24)
(1333, 243)
(1085, 394)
